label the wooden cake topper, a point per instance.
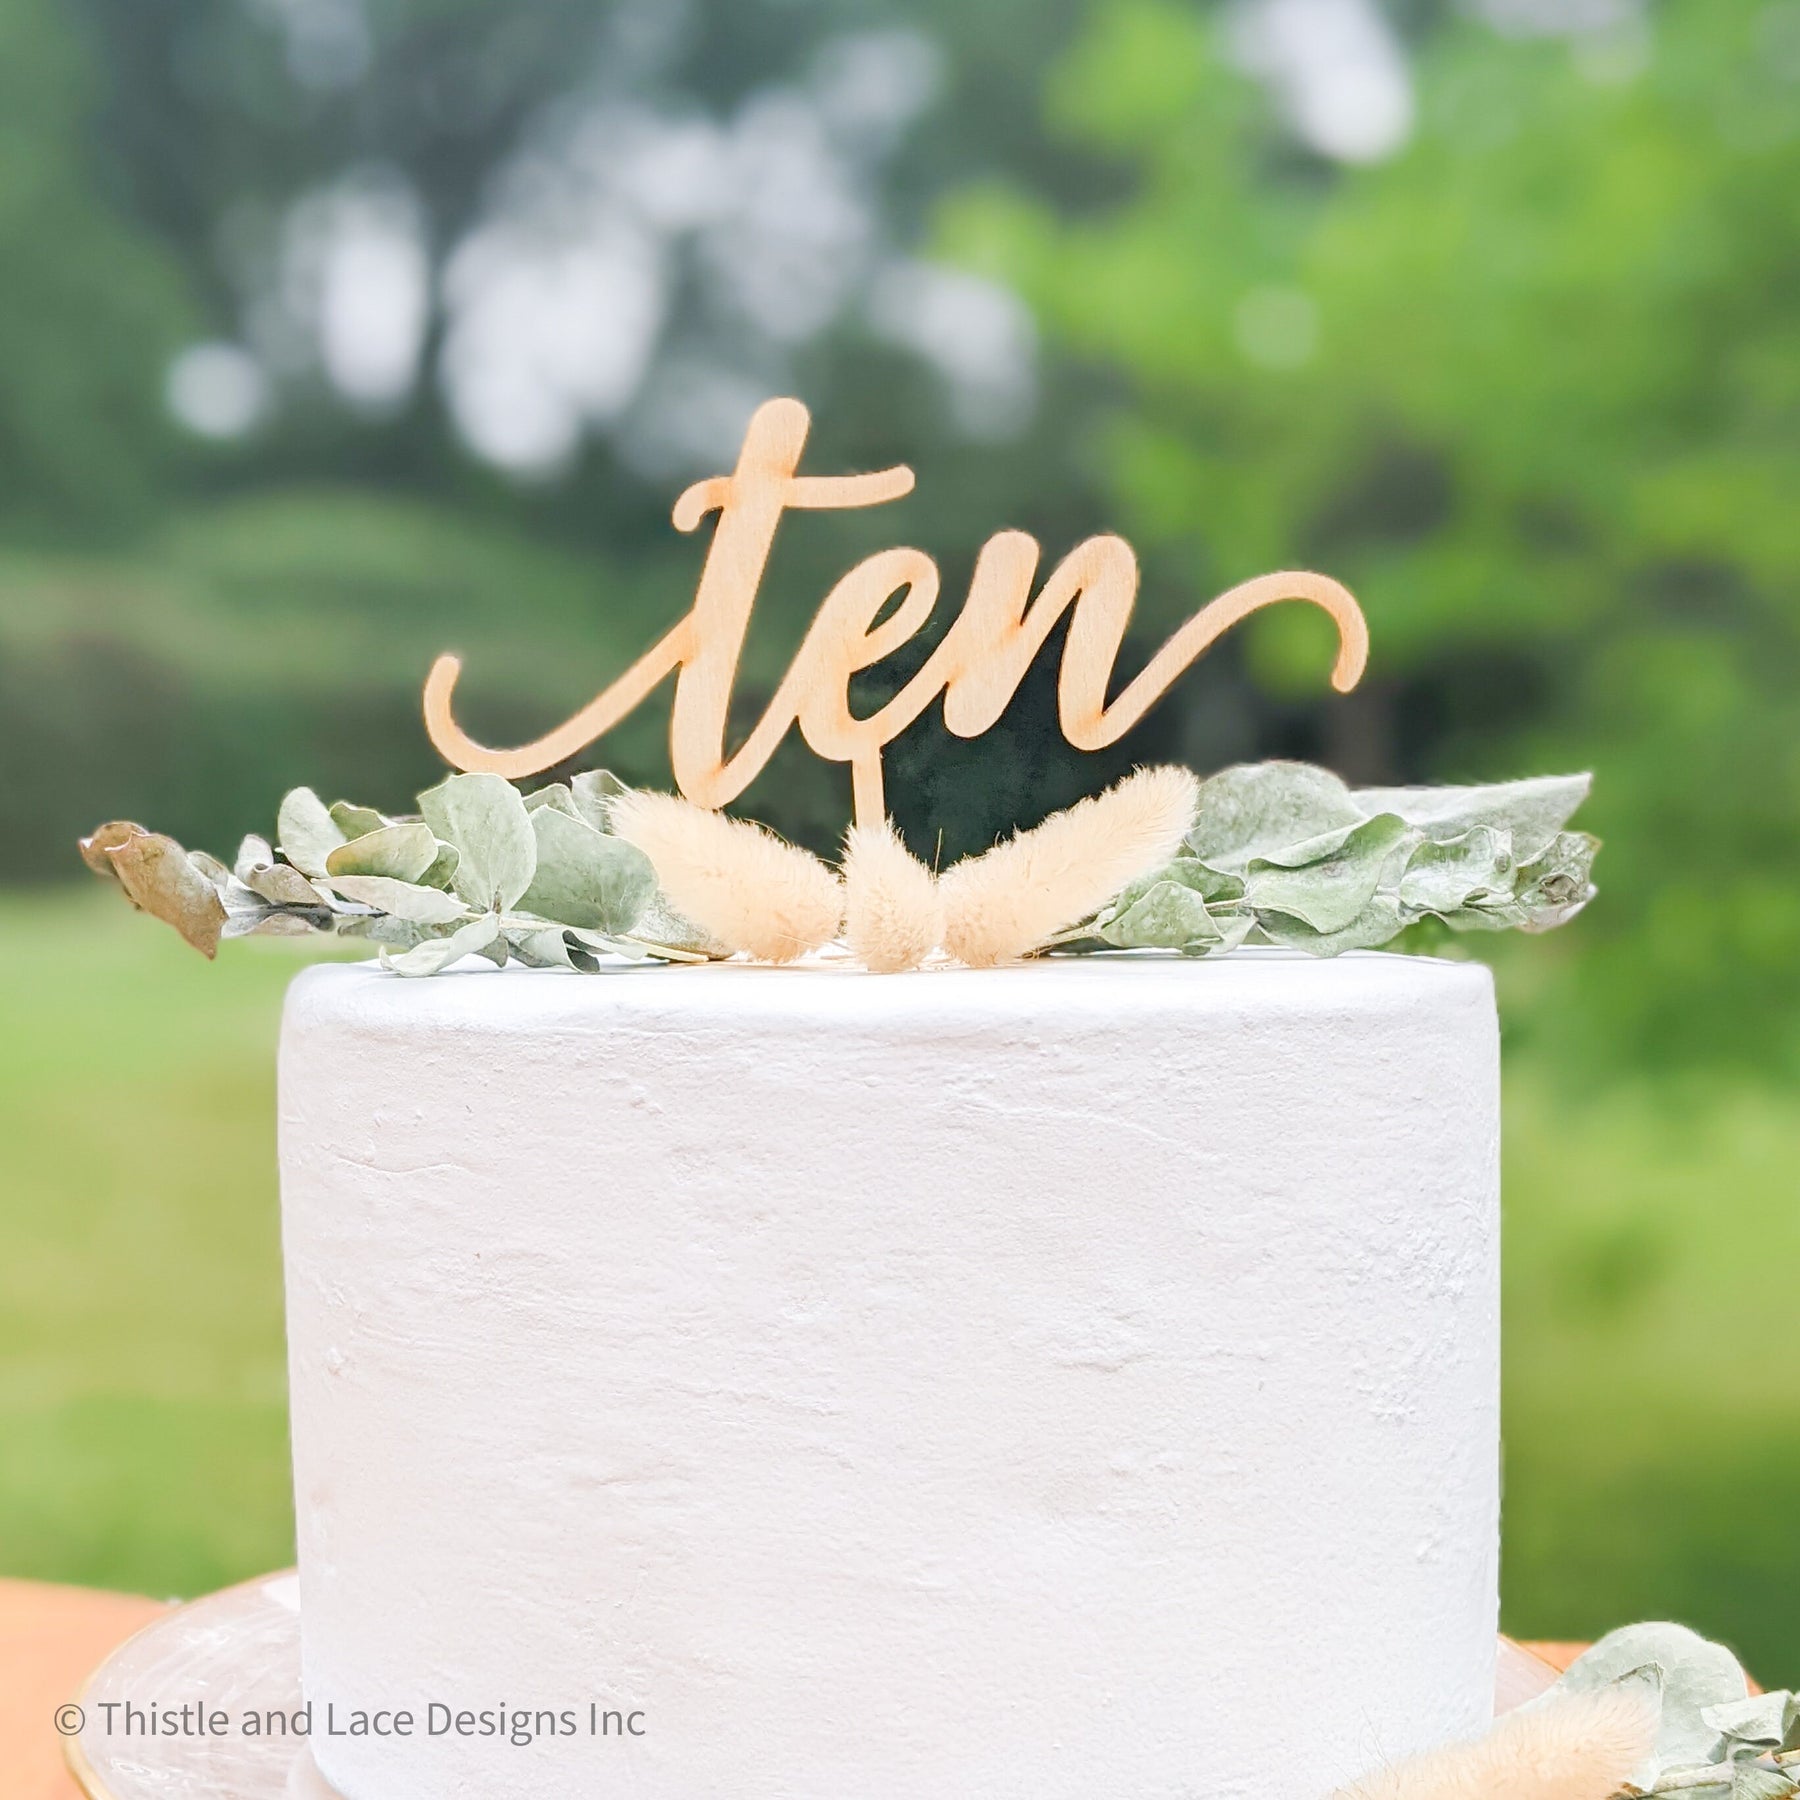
(977, 667)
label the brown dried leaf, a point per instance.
(155, 872)
(105, 838)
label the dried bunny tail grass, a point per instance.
(1576, 1747)
(739, 883)
(893, 913)
(1023, 892)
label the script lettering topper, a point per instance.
(977, 667)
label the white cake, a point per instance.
(1068, 1382)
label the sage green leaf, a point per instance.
(540, 949)
(383, 928)
(1444, 876)
(1330, 894)
(593, 791)
(356, 821)
(159, 879)
(274, 921)
(1532, 812)
(1166, 916)
(1159, 912)
(1751, 1781)
(438, 953)
(557, 795)
(484, 818)
(96, 847)
(306, 831)
(585, 877)
(253, 853)
(1553, 889)
(1694, 1676)
(662, 925)
(403, 899)
(281, 884)
(635, 945)
(400, 852)
(1312, 849)
(1213, 885)
(1762, 1722)
(1380, 922)
(627, 949)
(1257, 809)
(214, 870)
(443, 867)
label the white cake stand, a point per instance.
(239, 1651)
(236, 1651)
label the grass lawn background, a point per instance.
(1652, 1415)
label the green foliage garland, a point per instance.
(1280, 853)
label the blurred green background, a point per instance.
(337, 332)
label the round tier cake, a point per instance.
(1075, 1381)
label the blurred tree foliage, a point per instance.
(270, 613)
(91, 303)
(1532, 387)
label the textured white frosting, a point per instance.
(1069, 1382)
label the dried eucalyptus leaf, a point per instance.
(628, 949)
(281, 884)
(1213, 885)
(1762, 1722)
(1257, 809)
(1751, 1781)
(540, 949)
(557, 795)
(96, 847)
(356, 821)
(400, 852)
(661, 924)
(1695, 1675)
(593, 791)
(1331, 894)
(1441, 877)
(384, 928)
(1532, 812)
(274, 921)
(306, 831)
(585, 877)
(214, 871)
(1559, 884)
(438, 953)
(484, 818)
(253, 853)
(1380, 922)
(158, 878)
(1312, 849)
(403, 899)
(1162, 911)
(443, 867)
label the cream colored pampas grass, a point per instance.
(893, 913)
(1573, 1747)
(739, 883)
(1023, 892)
